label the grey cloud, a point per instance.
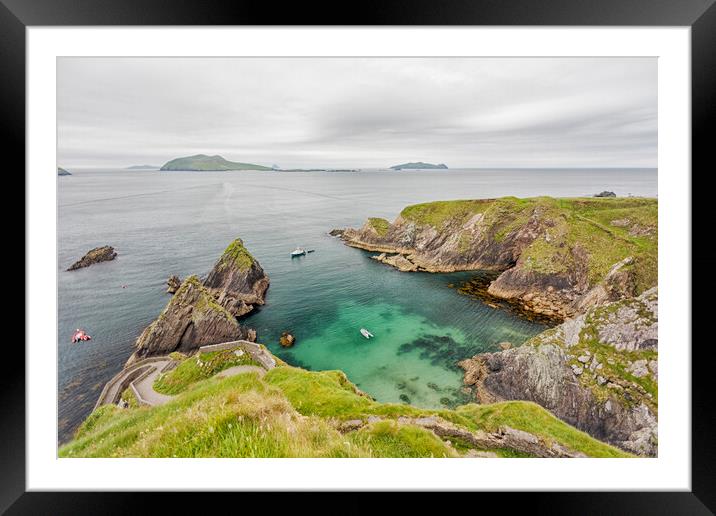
(359, 112)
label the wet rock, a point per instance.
(287, 339)
(504, 345)
(336, 232)
(96, 255)
(173, 284)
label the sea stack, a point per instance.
(206, 313)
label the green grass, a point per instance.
(236, 254)
(381, 226)
(390, 439)
(199, 367)
(291, 412)
(129, 398)
(605, 230)
(437, 214)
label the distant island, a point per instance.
(418, 165)
(142, 167)
(204, 163)
(62, 172)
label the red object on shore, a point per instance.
(80, 335)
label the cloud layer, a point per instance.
(359, 112)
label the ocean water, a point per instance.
(164, 223)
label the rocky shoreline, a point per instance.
(586, 264)
(556, 257)
(598, 372)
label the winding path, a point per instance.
(140, 376)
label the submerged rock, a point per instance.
(173, 284)
(551, 370)
(96, 255)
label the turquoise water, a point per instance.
(179, 223)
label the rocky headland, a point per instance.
(419, 165)
(96, 255)
(598, 372)
(556, 257)
(202, 313)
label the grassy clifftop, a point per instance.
(291, 412)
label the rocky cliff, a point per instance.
(558, 257)
(598, 372)
(206, 313)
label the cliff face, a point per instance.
(557, 256)
(237, 280)
(598, 372)
(201, 314)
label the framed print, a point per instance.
(443, 250)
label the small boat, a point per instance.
(299, 251)
(80, 335)
(366, 333)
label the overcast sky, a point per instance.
(372, 112)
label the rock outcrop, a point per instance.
(598, 372)
(96, 255)
(173, 284)
(557, 257)
(287, 339)
(206, 313)
(237, 280)
(190, 320)
(62, 172)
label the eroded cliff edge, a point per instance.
(598, 372)
(557, 257)
(207, 313)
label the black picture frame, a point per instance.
(700, 15)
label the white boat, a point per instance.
(299, 251)
(366, 333)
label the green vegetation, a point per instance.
(598, 231)
(438, 214)
(381, 226)
(417, 165)
(200, 367)
(291, 412)
(202, 162)
(129, 398)
(236, 255)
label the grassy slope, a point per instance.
(292, 413)
(236, 255)
(608, 229)
(202, 162)
(199, 367)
